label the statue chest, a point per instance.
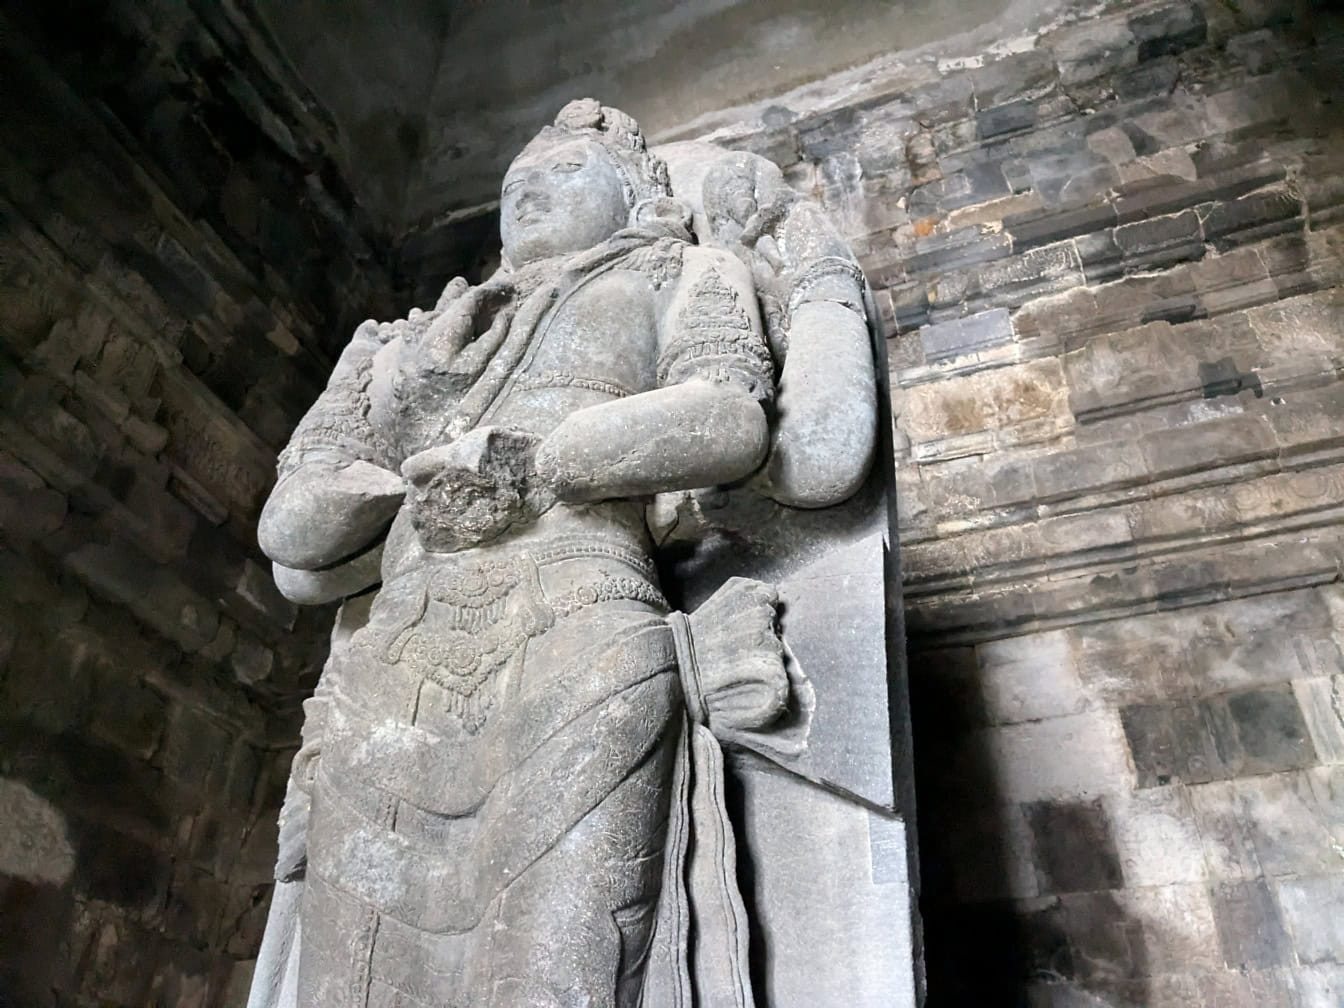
(598, 344)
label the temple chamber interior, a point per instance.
(1103, 246)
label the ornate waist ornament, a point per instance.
(473, 617)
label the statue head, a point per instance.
(577, 183)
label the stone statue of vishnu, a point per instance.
(509, 792)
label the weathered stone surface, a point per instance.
(1158, 841)
(1087, 470)
(155, 596)
(1058, 758)
(1160, 241)
(1038, 272)
(1045, 227)
(989, 401)
(1075, 847)
(1259, 731)
(1255, 216)
(956, 249)
(1319, 986)
(1291, 822)
(1313, 910)
(1321, 699)
(1091, 50)
(1170, 28)
(1001, 120)
(1250, 929)
(510, 438)
(1149, 522)
(806, 877)
(1028, 679)
(1202, 445)
(966, 335)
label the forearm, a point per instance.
(317, 587)
(324, 512)
(824, 437)
(692, 435)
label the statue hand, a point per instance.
(475, 489)
(465, 331)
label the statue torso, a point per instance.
(598, 344)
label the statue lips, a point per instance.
(532, 207)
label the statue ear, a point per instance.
(665, 213)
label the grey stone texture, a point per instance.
(1120, 522)
(1119, 513)
(1109, 267)
(177, 254)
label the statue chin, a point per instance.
(534, 248)
(547, 243)
(553, 235)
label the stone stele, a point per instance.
(614, 713)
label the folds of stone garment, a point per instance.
(488, 805)
(738, 684)
(594, 772)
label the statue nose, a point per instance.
(532, 196)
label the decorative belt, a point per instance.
(470, 620)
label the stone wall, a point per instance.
(178, 265)
(1109, 257)
(1109, 260)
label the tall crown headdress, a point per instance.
(643, 175)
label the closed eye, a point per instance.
(511, 186)
(566, 166)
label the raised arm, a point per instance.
(704, 426)
(823, 440)
(824, 423)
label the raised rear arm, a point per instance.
(824, 424)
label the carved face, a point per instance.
(558, 200)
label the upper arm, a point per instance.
(710, 326)
(336, 427)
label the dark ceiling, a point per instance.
(432, 98)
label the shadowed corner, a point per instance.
(989, 939)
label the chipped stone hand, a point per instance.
(469, 325)
(475, 489)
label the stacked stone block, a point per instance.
(177, 271)
(1108, 254)
(1109, 259)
